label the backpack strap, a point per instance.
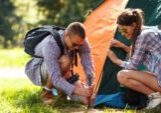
(59, 42)
(56, 36)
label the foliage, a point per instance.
(7, 20)
(63, 12)
(18, 16)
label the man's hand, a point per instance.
(92, 96)
(83, 91)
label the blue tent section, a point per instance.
(110, 100)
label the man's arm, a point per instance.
(51, 55)
(87, 61)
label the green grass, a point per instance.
(13, 57)
(19, 95)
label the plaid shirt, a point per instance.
(147, 51)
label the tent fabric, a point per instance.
(110, 100)
(100, 29)
(110, 69)
(109, 84)
(151, 8)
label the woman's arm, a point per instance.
(116, 43)
(114, 58)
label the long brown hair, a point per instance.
(127, 18)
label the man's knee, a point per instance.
(122, 76)
(65, 63)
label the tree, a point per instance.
(63, 12)
(17, 16)
(7, 19)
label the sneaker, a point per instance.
(154, 100)
(47, 97)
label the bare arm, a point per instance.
(114, 58)
(116, 43)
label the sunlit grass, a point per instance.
(19, 95)
(13, 57)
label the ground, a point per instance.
(19, 95)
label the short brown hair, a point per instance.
(76, 28)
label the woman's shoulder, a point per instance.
(149, 31)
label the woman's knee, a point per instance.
(122, 76)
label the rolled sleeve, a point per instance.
(86, 60)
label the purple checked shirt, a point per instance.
(147, 51)
(50, 51)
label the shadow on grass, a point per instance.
(30, 102)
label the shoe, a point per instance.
(47, 97)
(154, 100)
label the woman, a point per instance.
(145, 49)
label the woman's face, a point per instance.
(127, 31)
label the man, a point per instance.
(53, 69)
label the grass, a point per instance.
(19, 95)
(13, 57)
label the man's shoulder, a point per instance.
(48, 41)
(46, 45)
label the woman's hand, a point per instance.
(116, 43)
(112, 56)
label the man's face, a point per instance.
(73, 41)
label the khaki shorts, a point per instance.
(44, 74)
(63, 64)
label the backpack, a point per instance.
(36, 35)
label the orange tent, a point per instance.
(100, 28)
